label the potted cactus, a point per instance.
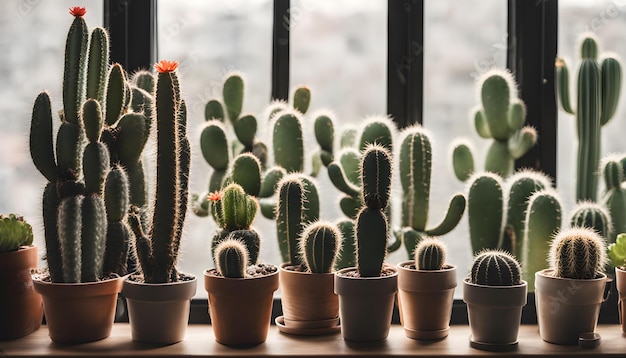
(240, 291)
(87, 246)
(569, 294)
(159, 297)
(21, 310)
(426, 291)
(617, 254)
(367, 291)
(495, 294)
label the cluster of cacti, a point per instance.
(231, 258)
(617, 252)
(430, 254)
(157, 249)
(371, 222)
(495, 268)
(235, 211)
(598, 90)
(415, 163)
(96, 101)
(614, 199)
(500, 116)
(14, 232)
(577, 253)
(319, 246)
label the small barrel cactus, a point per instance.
(14, 232)
(495, 268)
(578, 253)
(594, 216)
(319, 246)
(430, 254)
(232, 258)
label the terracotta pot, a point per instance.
(365, 305)
(79, 312)
(620, 282)
(21, 310)
(159, 313)
(240, 308)
(494, 314)
(308, 299)
(567, 307)
(425, 300)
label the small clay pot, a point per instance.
(21, 309)
(567, 307)
(308, 299)
(159, 313)
(620, 282)
(240, 308)
(494, 314)
(366, 305)
(79, 312)
(425, 300)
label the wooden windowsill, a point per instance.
(200, 342)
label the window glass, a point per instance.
(32, 43)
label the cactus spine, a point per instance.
(371, 223)
(598, 90)
(543, 221)
(319, 246)
(495, 268)
(500, 116)
(578, 253)
(14, 232)
(232, 258)
(430, 254)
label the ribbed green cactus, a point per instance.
(371, 223)
(14, 232)
(319, 246)
(158, 249)
(614, 199)
(500, 116)
(415, 163)
(235, 211)
(430, 254)
(598, 90)
(289, 218)
(593, 216)
(495, 268)
(542, 222)
(288, 142)
(485, 211)
(577, 253)
(232, 258)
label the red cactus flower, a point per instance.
(166, 66)
(215, 196)
(78, 11)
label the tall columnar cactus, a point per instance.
(289, 218)
(543, 221)
(319, 246)
(614, 199)
(495, 268)
(235, 211)
(578, 253)
(231, 258)
(430, 254)
(14, 232)
(157, 250)
(371, 223)
(598, 90)
(500, 116)
(119, 234)
(415, 162)
(485, 211)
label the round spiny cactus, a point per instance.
(578, 253)
(593, 216)
(495, 268)
(430, 254)
(319, 246)
(232, 258)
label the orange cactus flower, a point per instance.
(78, 11)
(166, 66)
(215, 196)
